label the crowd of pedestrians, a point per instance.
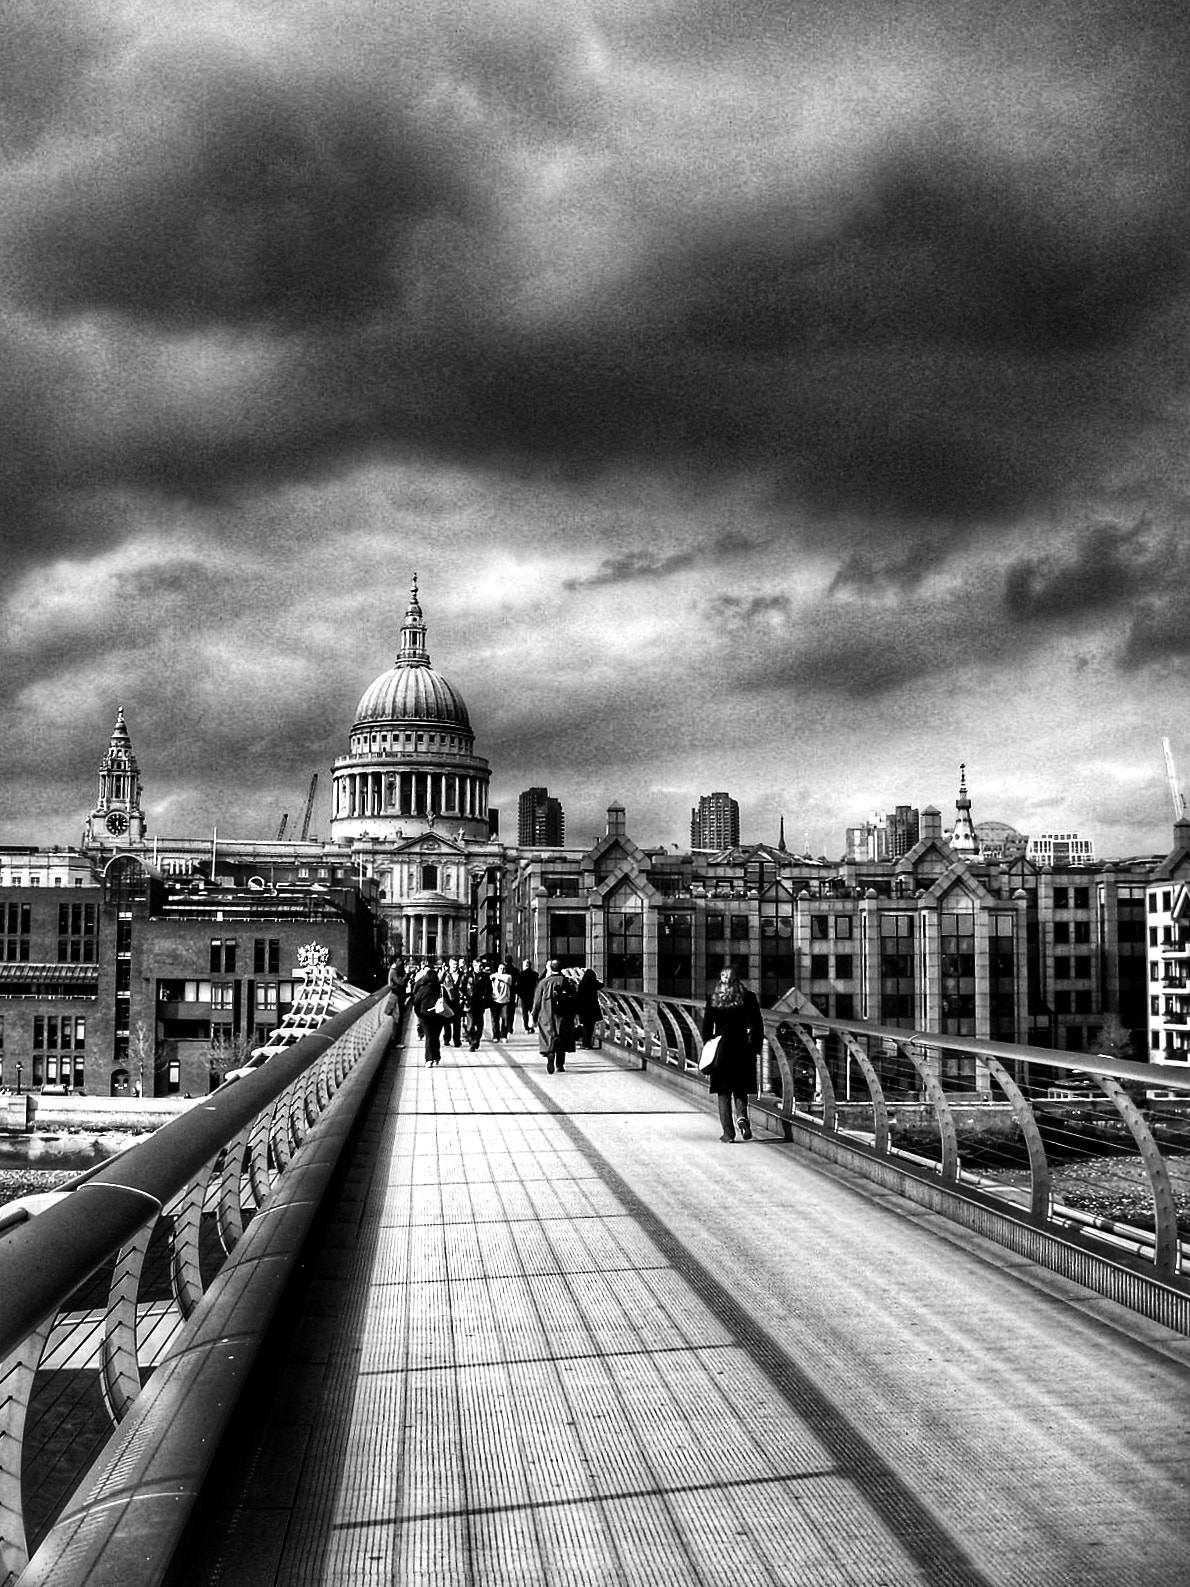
(452, 1000)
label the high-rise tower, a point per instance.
(541, 821)
(716, 822)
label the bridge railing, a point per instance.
(107, 1286)
(1078, 1161)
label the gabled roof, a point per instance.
(631, 851)
(625, 873)
(1176, 864)
(957, 877)
(936, 848)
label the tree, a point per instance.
(143, 1052)
(224, 1053)
(1115, 1039)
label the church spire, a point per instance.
(117, 815)
(413, 633)
(964, 839)
(781, 840)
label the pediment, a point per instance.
(432, 845)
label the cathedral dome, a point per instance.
(411, 691)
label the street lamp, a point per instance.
(18, 1077)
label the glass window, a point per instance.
(842, 925)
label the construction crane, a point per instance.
(309, 806)
(284, 824)
(1179, 798)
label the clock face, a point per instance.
(117, 822)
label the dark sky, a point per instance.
(786, 398)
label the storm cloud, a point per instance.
(867, 324)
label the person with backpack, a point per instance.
(553, 1014)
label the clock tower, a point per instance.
(117, 819)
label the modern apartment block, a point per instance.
(1061, 848)
(715, 824)
(541, 821)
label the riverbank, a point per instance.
(20, 1112)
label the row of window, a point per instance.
(36, 881)
(59, 1032)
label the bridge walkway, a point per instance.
(555, 1331)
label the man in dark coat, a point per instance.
(733, 1014)
(477, 991)
(553, 1014)
(526, 985)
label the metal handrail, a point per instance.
(225, 1157)
(44, 1259)
(666, 1032)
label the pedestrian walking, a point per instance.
(502, 996)
(526, 984)
(732, 1014)
(427, 994)
(458, 969)
(477, 998)
(398, 987)
(553, 1015)
(587, 1010)
(452, 1002)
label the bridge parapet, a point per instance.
(1077, 1161)
(138, 1267)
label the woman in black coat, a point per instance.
(733, 1013)
(587, 1010)
(427, 989)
